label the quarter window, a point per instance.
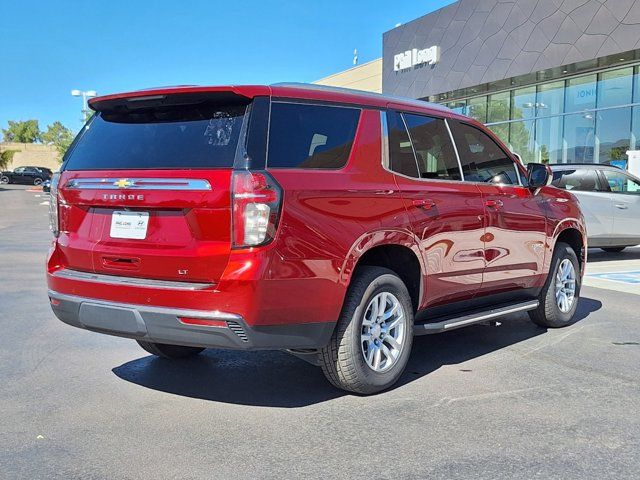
(582, 180)
(433, 148)
(481, 158)
(311, 136)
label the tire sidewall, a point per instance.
(37, 181)
(4, 180)
(561, 318)
(381, 380)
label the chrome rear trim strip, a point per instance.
(129, 281)
(138, 184)
(178, 312)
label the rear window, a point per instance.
(198, 136)
(583, 180)
(310, 136)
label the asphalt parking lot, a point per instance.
(514, 401)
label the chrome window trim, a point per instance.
(385, 139)
(455, 148)
(69, 274)
(178, 312)
(184, 184)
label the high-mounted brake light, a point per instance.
(256, 198)
(54, 217)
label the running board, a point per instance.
(473, 318)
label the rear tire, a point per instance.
(37, 181)
(371, 344)
(613, 249)
(169, 351)
(4, 180)
(561, 292)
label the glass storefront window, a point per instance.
(458, 107)
(502, 131)
(613, 134)
(579, 137)
(524, 103)
(615, 88)
(635, 129)
(521, 139)
(499, 107)
(550, 99)
(636, 85)
(477, 108)
(581, 93)
(549, 134)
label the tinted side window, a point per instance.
(582, 180)
(620, 183)
(481, 158)
(401, 157)
(310, 136)
(434, 150)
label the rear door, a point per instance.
(515, 236)
(625, 197)
(596, 202)
(145, 192)
(446, 213)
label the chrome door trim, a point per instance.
(138, 184)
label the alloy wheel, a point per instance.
(565, 286)
(383, 334)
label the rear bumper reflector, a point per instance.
(203, 322)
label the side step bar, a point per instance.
(473, 318)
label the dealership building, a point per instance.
(557, 80)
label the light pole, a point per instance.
(84, 95)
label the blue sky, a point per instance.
(48, 48)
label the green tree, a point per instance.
(59, 136)
(27, 131)
(6, 158)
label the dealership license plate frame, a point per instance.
(129, 224)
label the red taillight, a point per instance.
(54, 216)
(256, 201)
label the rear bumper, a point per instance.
(163, 325)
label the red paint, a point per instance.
(468, 239)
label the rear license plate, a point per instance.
(126, 224)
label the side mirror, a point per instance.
(538, 175)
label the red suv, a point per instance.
(330, 223)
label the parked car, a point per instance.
(26, 175)
(610, 201)
(330, 223)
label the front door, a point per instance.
(515, 219)
(447, 214)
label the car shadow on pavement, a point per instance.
(277, 379)
(597, 255)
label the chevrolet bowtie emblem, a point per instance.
(123, 183)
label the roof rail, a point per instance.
(363, 93)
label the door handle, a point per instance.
(622, 206)
(494, 203)
(426, 203)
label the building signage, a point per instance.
(415, 57)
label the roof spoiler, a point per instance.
(168, 97)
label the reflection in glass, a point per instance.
(579, 137)
(521, 139)
(550, 100)
(458, 107)
(502, 131)
(499, 107)
(635, 131)
(549, 140)
(478, 109)
(613, 134)
(524, 103)
(615, 88)
(581, 93)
